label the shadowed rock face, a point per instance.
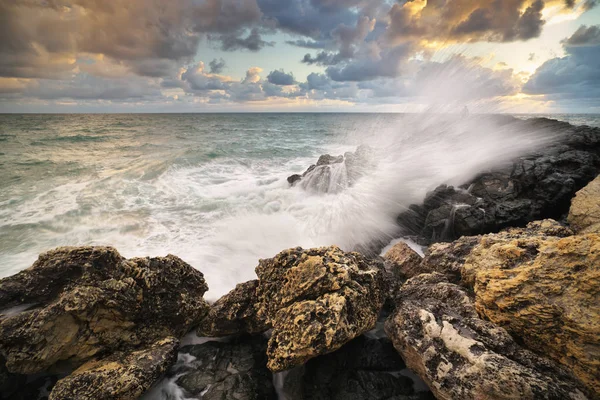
(90, 301)
(316, 300)
(232, 370)
(234, 313)
(438, 333)
(584, 214)
(536, 186)
(121, 376)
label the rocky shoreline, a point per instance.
(505, 304)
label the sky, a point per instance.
(516, 56)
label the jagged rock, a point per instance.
(402, 261)
(584, 214)
(539, 185)
(448, 258)
(327, 159)
(438, 333)
(234, 313)
(90, 301)
(546, 291)
(293, 179)
(120, 376)
(316, 300)
(233, 370)
(364, 368)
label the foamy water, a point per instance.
(212, 189)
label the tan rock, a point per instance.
(316, 300)
(121, 376)
(402, 261)
(544, 290)
(438, 333)
(584, 215)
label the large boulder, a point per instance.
(436, 329)
(226, 370)
(402, 261)
(316, 300)
(87, 302)
(120, 376)
(544, 290)
(364, 368)
(584, 214)
(535, 186)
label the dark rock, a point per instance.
(326, 159)
(437, 331)
(122, 375)
(90, 302)
(221, 371)
(536, 186)
(234, 313)
(362, 369)
(293, 179)
(316, 300)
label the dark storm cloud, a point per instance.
(388, 65)
(217, 66)
(589, 4)
(279, 77)
(322, 58)
(575, 76)
(232, 42)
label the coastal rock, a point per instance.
(402, 261)
(316, 300)
(448, 258)
(584, 214)
(120, 376)
(85, 302)
(234, 313)
(232, 370)
(544, 290)
(539, 185)
(437, 331)
(364, 368)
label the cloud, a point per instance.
(253, 42)
(575, 76)
(279, 77)
(217, 66)
(387, 65)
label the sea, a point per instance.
(212, 188)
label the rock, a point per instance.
(437, 331)
(233, 370)
(364, 368)
(402, 261)
(448, 258)
(234, 313)
(539, 185)
(544, 290)
(584, 214)
(326, 159)
(90, 301)
(120, 376)
(316, 300)
(293, 179)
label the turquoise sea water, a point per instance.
(211, 188)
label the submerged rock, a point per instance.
(316, 300)
(584, 214)
(364, 368)
(120, 376)
(234, 313)
(90, 301)
(544, 290)
(226, 370)
(539, 185)
(437, 331)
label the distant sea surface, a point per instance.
(212, 189)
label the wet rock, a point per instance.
(544, 290)
(584, 214)
(448, 258)
(364, 368)
(437, 331)
(233, 370)
(402, 261)
(316, 300)
(327, 159)
(120, 376)
(90, 301)
(234, 313)
(293, 179)
(539, 185)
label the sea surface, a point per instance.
(212, 189)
